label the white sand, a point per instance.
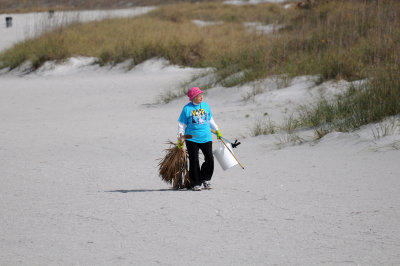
(259, 27)
(79, 181)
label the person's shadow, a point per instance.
(145, 190)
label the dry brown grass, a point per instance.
(23, 6)
(215, 11)
(141, 38)
(173, 168)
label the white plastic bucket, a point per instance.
(224, 156)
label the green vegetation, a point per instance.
(263, 127)
(371, 102)
(336, 39)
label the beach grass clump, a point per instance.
(255, 90)
(264, 127)
(388, 127)
(362, 104)
(204, 80)
(50, 46)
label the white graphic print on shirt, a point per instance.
(198, 116)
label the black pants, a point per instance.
(199, 175)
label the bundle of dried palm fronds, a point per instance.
(173, 168)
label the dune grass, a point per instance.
(24, 6)
(229, 47)
(335, 39)
(362, 104)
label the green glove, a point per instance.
(219, 135)
(180, 144)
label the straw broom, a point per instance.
(173, 169)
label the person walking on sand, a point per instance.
(196, 120)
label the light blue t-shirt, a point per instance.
(197, 119)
